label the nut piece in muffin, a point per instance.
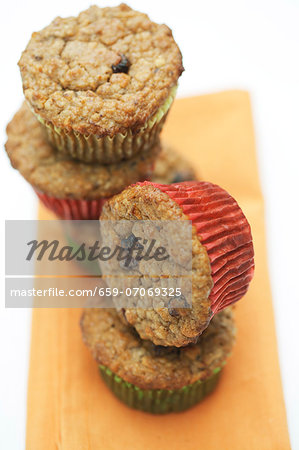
(153, 378)
(103, 82)
(71, 188)
(222, 255)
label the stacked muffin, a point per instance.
(98, 88)
(167, 357)
(152, 378)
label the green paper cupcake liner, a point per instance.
(159, 401)
(108, 149)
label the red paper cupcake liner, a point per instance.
(225, 233)
(73, 209)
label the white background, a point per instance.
(227, 44)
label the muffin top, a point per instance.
(159, 322)
(119, 348)
(104, 72)
(57, 174)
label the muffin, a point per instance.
(171, 167)
(222, 256)
(152, 378)
(70, 188)
(101, 84)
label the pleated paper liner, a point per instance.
(73, 209)
(107, 150)
(159, 401)
(225, 233)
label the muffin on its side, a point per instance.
(152, 378)
(102, 83)
(171, 167)
(222, 257)
(71, 189)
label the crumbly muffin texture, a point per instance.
(60, 176)
(171, 167)
(118, 347)
(163, 325)
(104, 72)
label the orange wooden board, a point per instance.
(69, 407)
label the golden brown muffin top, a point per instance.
(116, 346)
(162, 325)
(58, 175)
(104, 72)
